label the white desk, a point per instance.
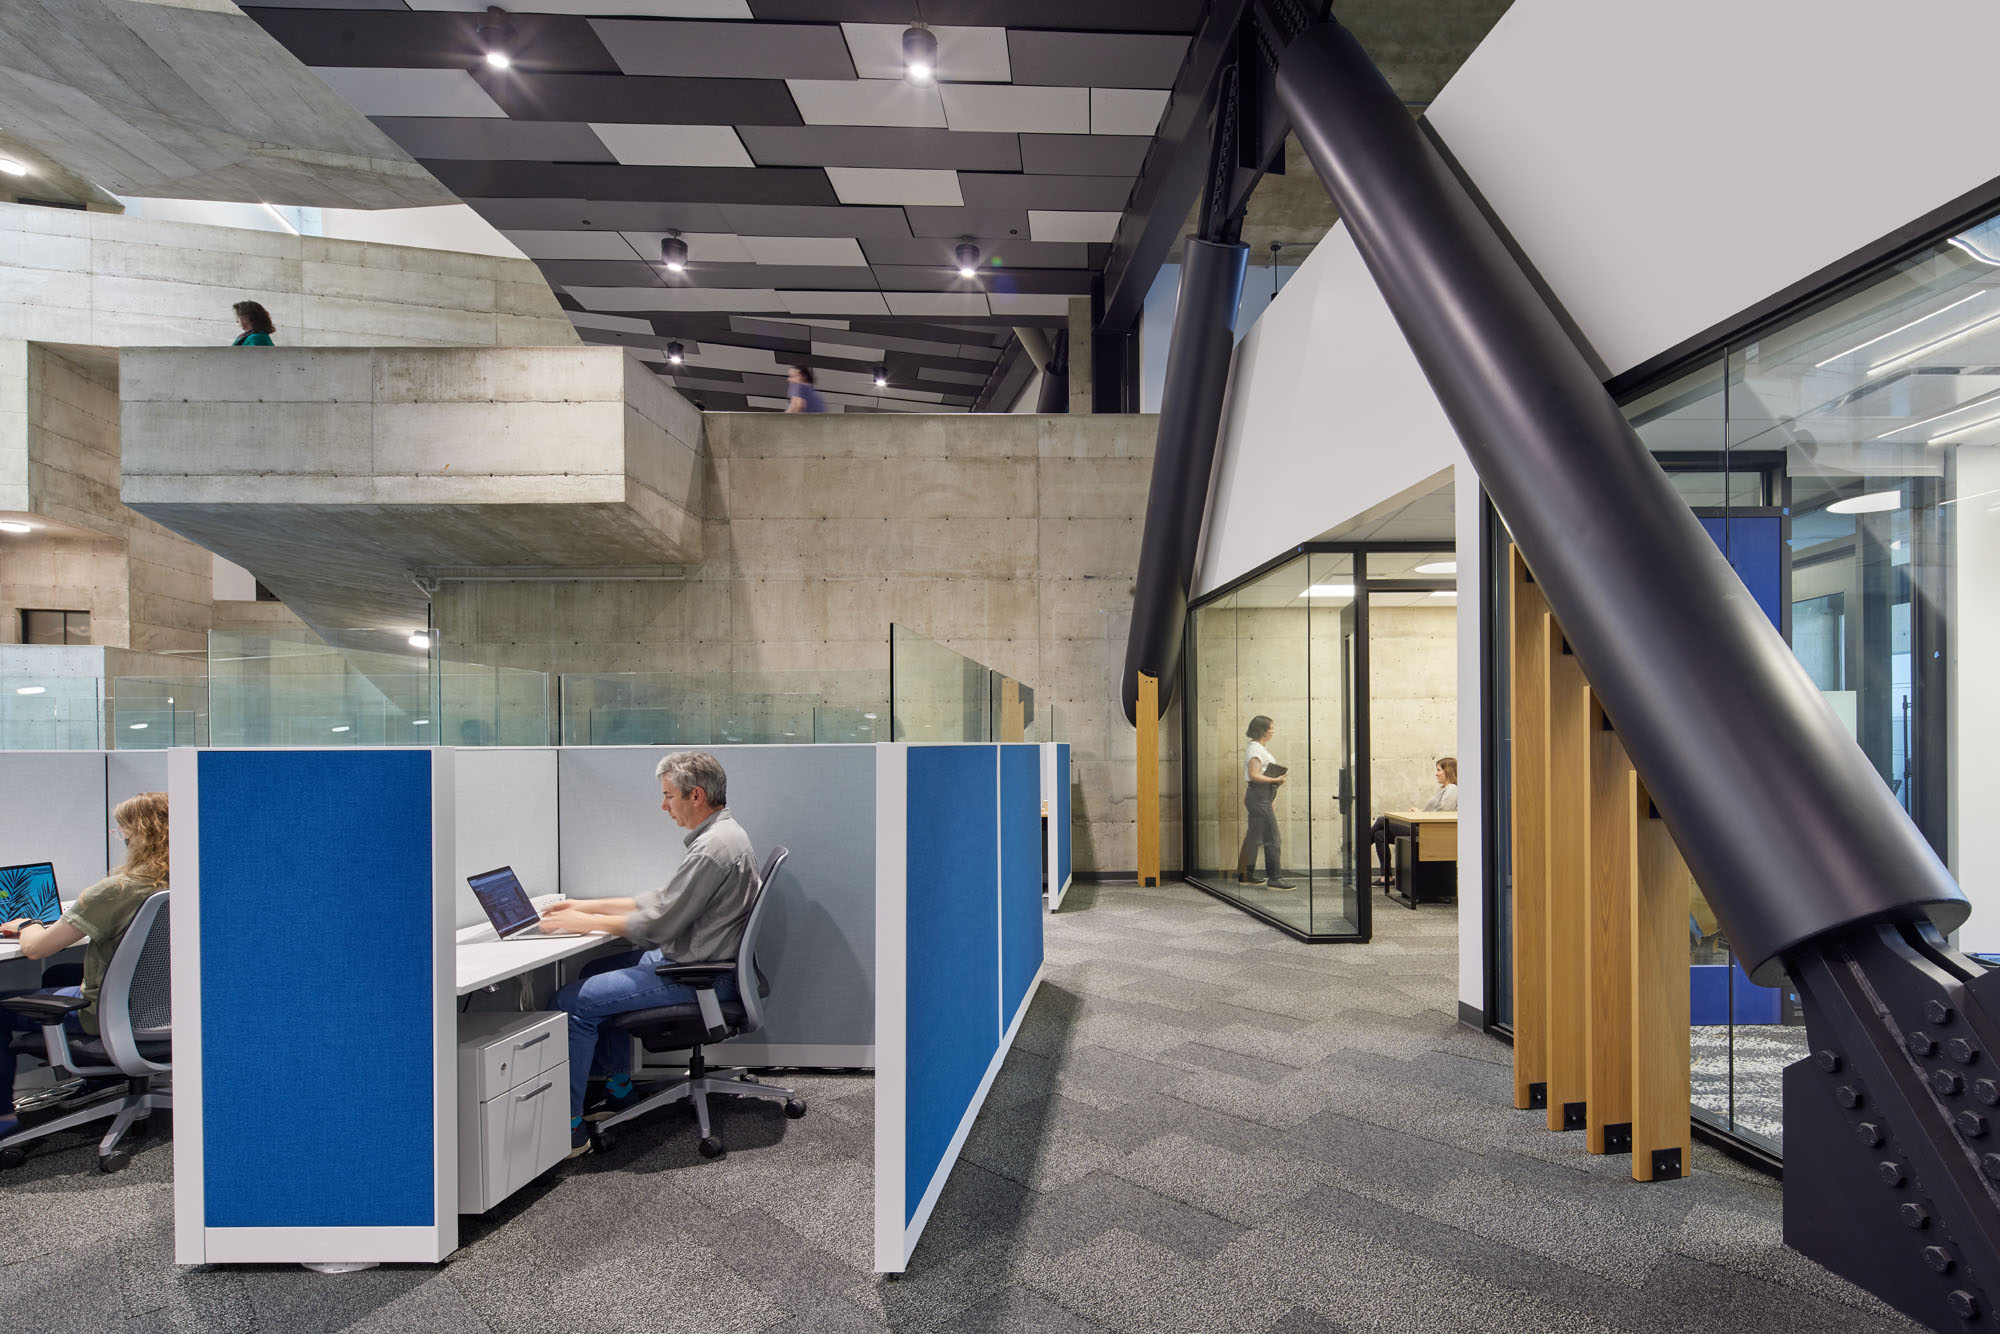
(484, 958)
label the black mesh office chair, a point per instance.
(135, 1025)
(708, 1018)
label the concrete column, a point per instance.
(1079, 354)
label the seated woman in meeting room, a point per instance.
(1262, 777)
(1444, 799)
(100, 913)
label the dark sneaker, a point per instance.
(579, 1141)
(1279, 884)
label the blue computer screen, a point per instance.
(29, 891)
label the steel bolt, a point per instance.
(1970, 1124)
(1939, 1259)
(1921, 1043)
(1987, 1092)
(1937, 1012)
(1947, 1082)
(1990, 1165)
(1871, 1134)
(1915, 1216)
(1961, 1051)
(1963, 1304)
(1847, 1096)
(1827, 1060)
(1891, 1173)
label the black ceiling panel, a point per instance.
(633, 99)
(1009, 252)
(881, 146)
(991, 190)
(916, 278)
(494, 138)
(693, 50)
(543, 43)
(1083, 154)
(796, 220)
(558, 214)
(989, 224)
(591, 180)
(1094, 59)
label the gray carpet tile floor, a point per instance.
(1204, 1125)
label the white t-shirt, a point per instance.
(1256, 751)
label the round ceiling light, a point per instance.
(674, 254)
(31, 690)
(1439, 567)
(496, 39)
(919, 55)
(1875, 502)
(967, 256)
(676, 354)
(881, 376)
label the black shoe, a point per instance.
(580, 1141)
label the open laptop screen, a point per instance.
(29, 891)
(506, 903)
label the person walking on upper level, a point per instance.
(800, 392)
(255, 322)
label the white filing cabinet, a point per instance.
(513, 1102)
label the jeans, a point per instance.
(616, 984)
(1378, 834)
(1261, 830)
(12, 1023)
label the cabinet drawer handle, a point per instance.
(535, 1093)
(542, 1036)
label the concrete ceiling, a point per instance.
(184, 99)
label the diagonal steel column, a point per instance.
(1805, 855)
(1183, 456)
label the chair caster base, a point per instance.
(711, 1147)
(795, 1108)
(115, 1161)
(11, 1159)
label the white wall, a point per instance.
(1156, 321)
(233, 583)
(1728, 150)
(1975, 707)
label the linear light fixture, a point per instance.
(31, 690)
(1861, 347)
(1943, 436)
(1329, 591)
(15, 526)
(1935, 343)
(1980, 402)
(1439, 567)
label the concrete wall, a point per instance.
(1009, 538)
(108, 280)
(1413, 701)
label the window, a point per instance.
(55, 627)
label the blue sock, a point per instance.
(575, 1121)
(618, 1085)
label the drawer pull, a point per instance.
(535, 1093)
(542, 1036)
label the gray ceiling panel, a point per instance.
(632, 272)
(799, 220)
(1083, 154)
(992, 224)
(611, 273)
(451, 137)
(950, 377)
(1094, 59)
(1090, 193)
(879, 146)
(1013, 251)
(725, 51)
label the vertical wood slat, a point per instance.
(1013, 717)
(1661, 1080)
(1528, 655)
(1566, 908)
(1149, 779)
(1609, 1032)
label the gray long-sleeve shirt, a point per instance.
(700, 914)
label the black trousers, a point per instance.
(1378, 834)
(1261, 831)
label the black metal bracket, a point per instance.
(1618, 1138)
(1538, 1096)
(1667, 1164)
(1576, 1116)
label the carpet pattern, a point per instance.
(1204, 1126)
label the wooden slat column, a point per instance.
(1528, 650)
(1608, 946)
(1567, 907)
(1149, 779)
(1661, 1080)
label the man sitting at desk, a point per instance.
(697, 916)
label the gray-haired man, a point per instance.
(696, 916)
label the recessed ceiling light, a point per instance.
(37, 690)
(15, 526)
(1439, 567)
(1873, 503)
(138, 727)
(1445, 593)
(13, 167)
(342, 728)
(1329, 591)
(919, 55)
(420, 722)
(869, 716)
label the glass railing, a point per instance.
(938, 694)
(50, 713)
(155, 712)
(671, 709)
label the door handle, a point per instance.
(543, 1036)
(535, 1093)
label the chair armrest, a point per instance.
(48, 1008)
(697, 975)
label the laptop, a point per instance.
(29, 891)
(508, 907)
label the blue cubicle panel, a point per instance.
(312, 913)
(1055, 800)
(959, 932)
(1755, 547)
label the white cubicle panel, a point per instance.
(506, 815)
(52, 810)
(818, 945)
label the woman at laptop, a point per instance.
(100, 914)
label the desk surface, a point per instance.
(484, 958)
(1420, 817)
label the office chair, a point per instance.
(708, 1018)
(135, 1022)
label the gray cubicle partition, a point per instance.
(506, 816)
(52, 809)
(127, 773)
(818, 947)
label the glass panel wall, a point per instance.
(155, 712)
(1275, 786)
(49, 713)
(1849, 465)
